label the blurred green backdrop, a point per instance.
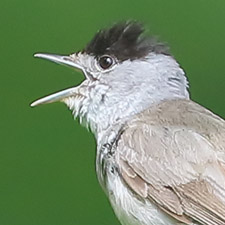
(47, 160)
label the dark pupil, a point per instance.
(105, 62)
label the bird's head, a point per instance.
(125, 73)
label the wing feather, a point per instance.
(174, 155)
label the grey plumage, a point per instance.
(160, 156)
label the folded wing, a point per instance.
(174, 155)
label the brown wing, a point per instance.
(174, 154)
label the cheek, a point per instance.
(125, 84)
(98, 93)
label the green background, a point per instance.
(47, 160)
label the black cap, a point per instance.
(124, 41)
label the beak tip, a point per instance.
(35, 103)
(32, 104)
(37, 55)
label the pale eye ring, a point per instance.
(105, 62)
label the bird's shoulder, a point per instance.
(174, 154)
(176, 128)
(183, 114)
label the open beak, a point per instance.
(64, 60)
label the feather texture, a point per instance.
(174, 155)
(124, 40)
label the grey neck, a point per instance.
(134, 86)
(128, 89)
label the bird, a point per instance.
(160, 157)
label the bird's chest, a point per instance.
(129, 209)
(109, 178)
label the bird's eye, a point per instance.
(105, 62)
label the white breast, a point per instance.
(129, 209)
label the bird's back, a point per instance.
(173, 156)
(186, 114)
